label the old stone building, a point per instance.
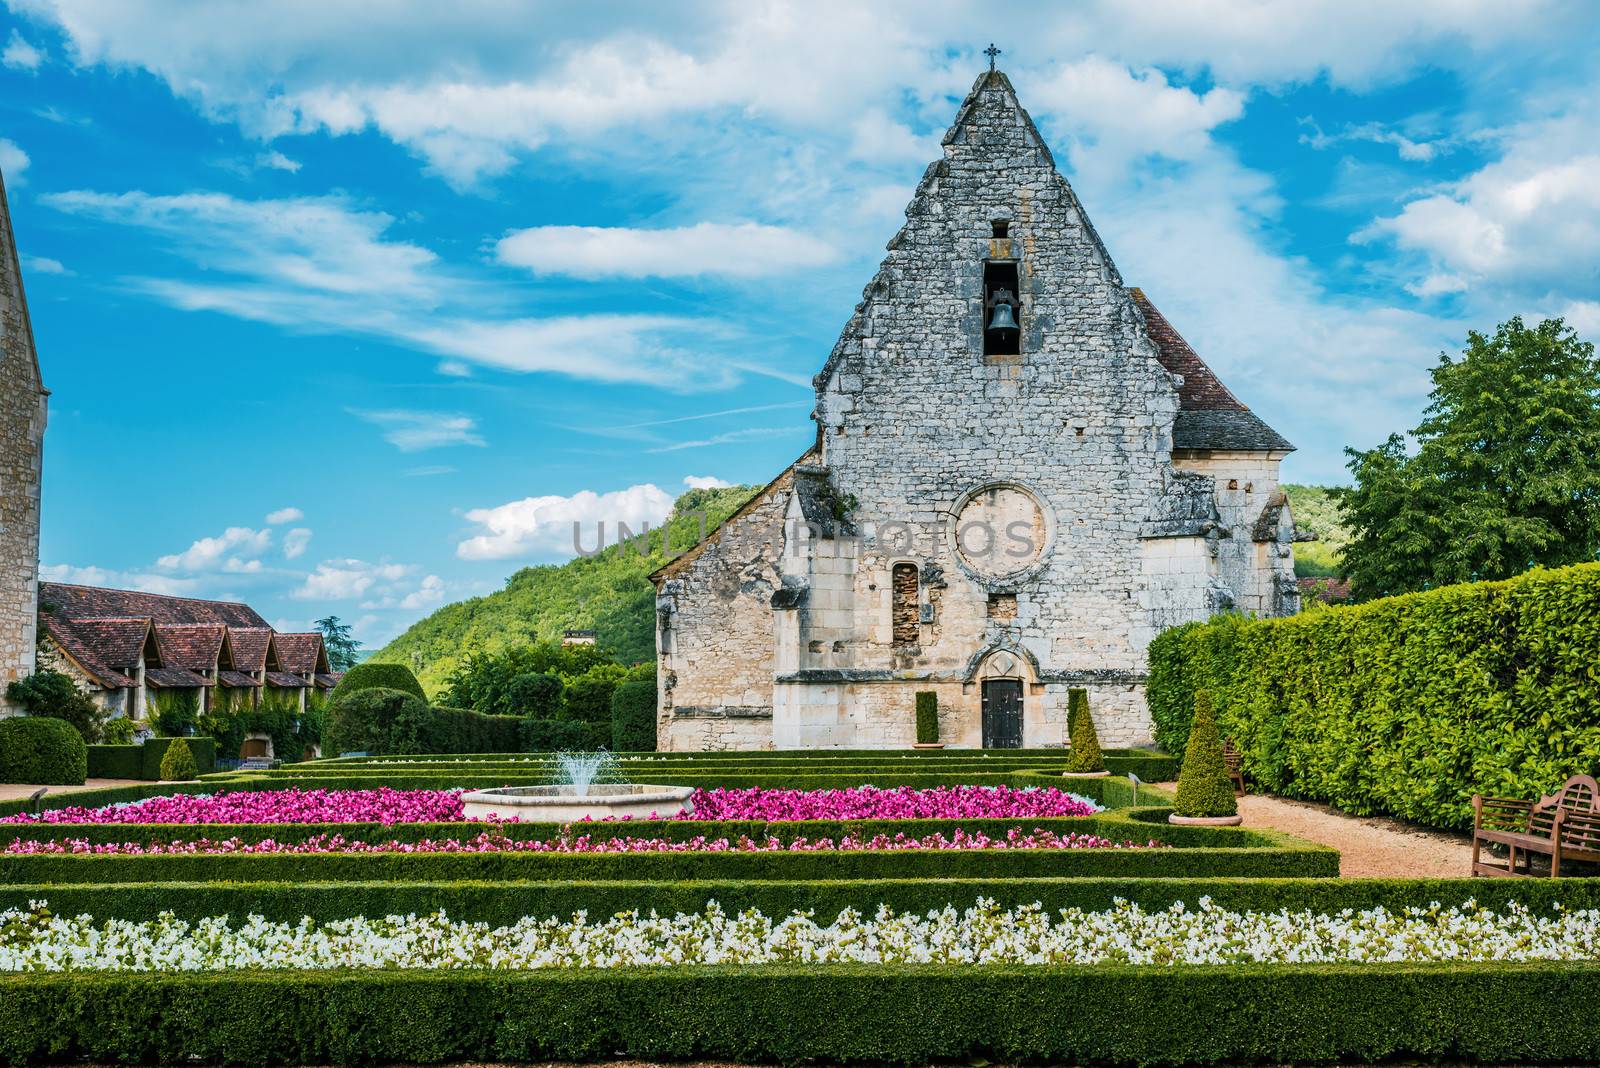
(1021, 473)
(22, 419)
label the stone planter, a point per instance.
(1205, 821)
(927, 745)
(1085, 774)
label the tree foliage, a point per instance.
(1506, 474)
(50, 693)
(344, 652)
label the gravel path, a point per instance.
(1370, 846)
(17, 791)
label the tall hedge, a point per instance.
(633, 717)
(42, 750)
(1406, 705)
(386, 676)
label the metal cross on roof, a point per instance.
(991, 52)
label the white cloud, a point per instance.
(284, 515)
(728, 438)
(20, 55)
(13, 162)
(44, 265)
(429, 470)
(1377, 133)
(548, 526)
(454, 369)
(739, 250)
(232, 550)
(345, 580)
(277, 161)
(430, 592)
(414, 431)
(705, 482)
(295, 542)
(122, 580)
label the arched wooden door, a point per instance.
(1002, 714)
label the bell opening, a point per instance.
(1002, 310)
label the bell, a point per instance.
(1003, 319)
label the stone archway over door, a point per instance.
(1002, 713)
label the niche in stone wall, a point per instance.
(905, 613)
(1002, 309)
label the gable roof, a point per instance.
(672, 567)
(83, 652)
(1209, 417)
(194, 646)
(302, 653)
(251, 646)
(12, 297)
(96, 602)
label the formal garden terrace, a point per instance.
(345, 911)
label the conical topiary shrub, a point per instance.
(1084, 757)
(1203, 787)
(177, 763)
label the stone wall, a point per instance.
(22, 421)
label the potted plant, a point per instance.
(928, 721)
(1205, 794)
(1084, 760)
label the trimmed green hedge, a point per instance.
(633, 716)
(42, 750)
(1406, 705)
(381, 676)
(504, 902)
(1256, 861)
(913, 1015)
(115, 761)
(154, 751)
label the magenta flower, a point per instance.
(891, 803)
(271, 806)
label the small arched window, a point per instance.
(906, 611)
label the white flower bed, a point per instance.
(986, 934)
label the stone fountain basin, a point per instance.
(563, 804)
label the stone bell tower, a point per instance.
(22, 421)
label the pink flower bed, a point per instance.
(271, 806)
(893, 803)
(444, 806)
(494, 842)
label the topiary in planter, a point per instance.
(1084, 757)
(927, 717)
(1203, 786)
(178, 764)
(42, 751)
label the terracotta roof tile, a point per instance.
(190, 645)
(327, 680)
(301, 652)
(250, 647)
(78, 649)
(118, 643)
(173, 678)
(235, 680)
(90, 602)
(286, 679)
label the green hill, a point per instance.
(1316, 512)
(609, 592)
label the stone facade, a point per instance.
(995, 518)
(22, 422)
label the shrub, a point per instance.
(118, 730)
(1203, 786)
(461, 730)
(379, 676)
(633, 716)
(1084, 756)
(50, 693)
(154, 751)
(588, 697)
(178, 763)
(1407, 705)
(115, 761)
(927, 717)
(43, 750)
(378, 720)
(535, 695)
(177, 711)
(551, 735)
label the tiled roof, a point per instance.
(1209, 415)
(173, 677)
(286, 679)
(94, 602)
(301, 652)
(77, 648)
(190, 645)
(328, 680)
(235, 679)
(117, 643)
(250, 645)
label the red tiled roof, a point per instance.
(94, 602)
(301, 652)
(190, 645)
(250, 646)
(173, 677)
(286, 679)
(1209, 415)
(80, 651)
(328, 680)
(236, 679)
(118, 643)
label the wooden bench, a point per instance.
(1233, 763)
(1564, 825)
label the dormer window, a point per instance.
(1002, 309)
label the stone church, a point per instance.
(22, 419)
(1021, 473)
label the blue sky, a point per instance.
(356, 310)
